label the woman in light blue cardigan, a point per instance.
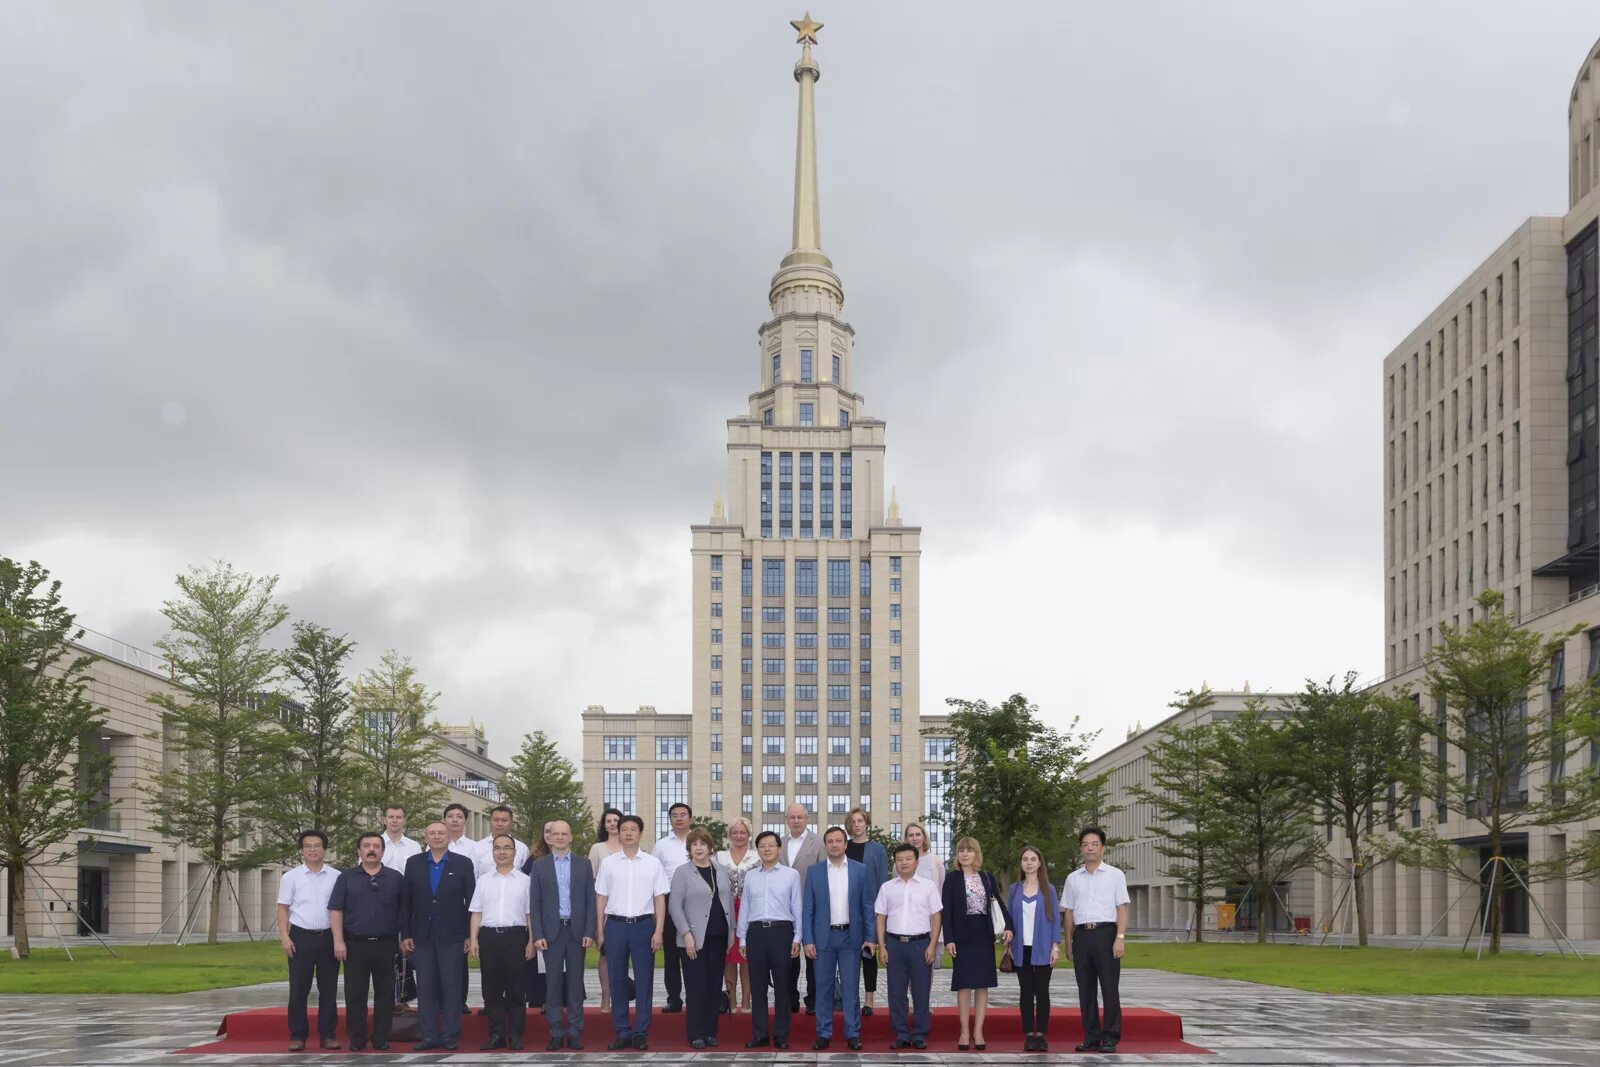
(1034, 920)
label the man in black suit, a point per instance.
(561, 908)
(434, 931)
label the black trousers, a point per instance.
(672, 962)
(405, 979)
(1094, 966)
(369, 960)
(702, 984)
(767, 948)
(869, 973)
(1033, 983)
(313, 958)
(503, 971)
(794, 981)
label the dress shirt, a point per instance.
(1028, 908)
(502, 899)
(464, 846)
(909, 903)
(838, 891)
(563, 884)
(771, 895)
(1094, 898)
(395, 853)
(931, 867)
(631, 886)
(370, 903)
(792, 846)
(307, 892)
(672, 853)
(482, 857)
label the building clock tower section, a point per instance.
(806, 623)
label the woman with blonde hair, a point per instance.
(930, 865)
(968, 898)
(1034, 920)
(737, 859)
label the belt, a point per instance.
(909, 937)
(365, 937)
(500, 929)
(1091, 926)
(838, 926)
(568, 922)
(765, 923)
(304, 930)
(630, 918)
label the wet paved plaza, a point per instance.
(1240, 1022)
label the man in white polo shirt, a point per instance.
(305, 933)
(673, 852)
(397, 848)
(631, 906)
(1094, 906)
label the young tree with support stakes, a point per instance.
(541, 784)
(50, 784)
(1018, 782)
(222, 720)
(395, 737)
(1355, 753)
(1265, 834)
(1514, 742)
(1189, 816)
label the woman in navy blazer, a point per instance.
(1032, 895)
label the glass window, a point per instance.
(805, 640)
(894, 663)
(716, 609)
(894, 564)
(866, 641)
(716, 563)
(894, 801)
(619, 748)
(840, 614)
(672, 748)
(744, 612)
(772, 692)
(866, 666)
(716, 743)
(806, 418)
(805, 576)
(777, 369)
(894, 689)
(771, 614)
(672, 787)
(838, 666)
(844, 417)
(838, 640)
(716, 714)
(744, 803)
(894, 742)
(838, 692)
(894, 772)
(716, 689)
(772, 774)
(838, 718)
(716, 772)
(744, 744)
(894, 611)
(746, 639)
(805, 718)
(772, 746)
(866, 577)
(894, 714)
(716, 663)
(805, 746)
(766, 416)
(938, 749)
(744, 577)
(866, 693)
(838, 579)
(894, 585)
(894, 636)
(805, 365)
(716, 583)
(806, 692)
(805, 666)
(838, 365)
(772, 802)
(772, 577)
(805, 775)
(618, 790)
(838, 805)
(771, 717)
(716, 801)
(805, 614)
(772, 666)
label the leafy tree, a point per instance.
(1183, 796)
(1513, 757)
(1354, 753)
(222, 720)
(320, 776)
(715, 827)
(50, 784)
(1267, 833)
(395, 735)
(1016, 781)
(541, 784)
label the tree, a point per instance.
(319, 775)
(1182, 797)
(50, 783)
(1513, 757)
(1355, 752)
(221, 722)
(1266, 833)
(541, 784)
(1016, 781)
(396, 739)
(715, 827)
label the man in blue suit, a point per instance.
(434, 931)
(836, 928)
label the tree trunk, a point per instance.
(216, 908)
(19, 907)
(1496, 880)
(1199, 901)
(1358, 885)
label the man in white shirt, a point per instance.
(397, 848)
(802, 850)
(631, 913)
(673, 852)
(500, 819)
(502, 943)
(770, 916)
(455, 825)
(305, 933)
(836, 924)
(908, 932)
(1094, 907)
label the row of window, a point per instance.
(623, 749)
(806, 368)
(803, 717)
(805, 774)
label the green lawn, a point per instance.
(157, 969)
(1380, 971)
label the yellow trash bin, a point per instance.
(1226, 916)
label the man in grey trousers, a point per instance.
(561, 910)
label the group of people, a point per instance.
(736, 928)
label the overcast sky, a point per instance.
(437, 311)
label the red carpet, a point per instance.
(1144, 1030)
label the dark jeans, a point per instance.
(1033, 982)
(767, 947)
(1094, 965)
(369, 960)
(671, 961)
(838, 959)
(702, 984)
(439, 990)
(502, 970)
(909, 969)
(624, 942)
(313, 958)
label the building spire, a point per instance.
(806, 264)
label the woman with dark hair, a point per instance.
(875, 858)
(1034, 920)
(605, 845)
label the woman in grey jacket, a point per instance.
(701, 902)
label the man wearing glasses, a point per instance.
(364, 912)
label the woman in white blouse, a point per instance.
(605, 846)
(930, 866)
(736, 859)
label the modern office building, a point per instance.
(1492, 480)
(806, 649)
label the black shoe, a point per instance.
(1087, 1046)
(780, 1042)
(853, 1044)
(381, 1046)
(620, 1043)
(918, 1042)
(357, 1046)
(898, 1043)
(794, 1006)
(725, 1005)
(866, 1009)
(673, 1007)
(757, 1042)
(963, 1048)
(641, 1042)
(819, 1044)
(575, 1043)
(491, 1045)
(980, 1045)
(480, 1011)
(1040, 1044)
(698, 1043)
(449, 1046)
(1108, 1046)
(553, 1045)
(422, 1046)
(515, 1045)
(811, 1007)
(711, 1042)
